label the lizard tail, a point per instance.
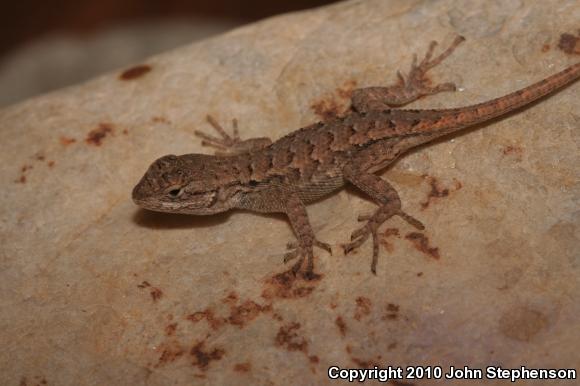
(451, 120)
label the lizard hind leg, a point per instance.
(230, 145)
(389, 205)
(382, 214)
(408, 88)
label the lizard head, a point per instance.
(182, 184)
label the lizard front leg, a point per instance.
(296, 212)
(284, 199)
(389, 205)
(407, 89)
(230, 145)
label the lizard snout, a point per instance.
(141, 191)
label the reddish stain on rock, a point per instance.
(95, 137)
(392, 312)
(40, 157)
(38, 380)
(170, 354)
(202, 357)
(208, 314)
(243, 367)
(197, 316)
(160, 119)
(288, 338)
(135, 72)
(396, 382)
(23, 170)
(326, 109)
(170, 329)
(363, 307)
(386, 234)
(438, 191)
(345, 91)
(232, 298)
(341, 325)
(569, 43)
(245, 312)
(513, 151)
(365, 363)
(155, 292)
(239, 315)
(421, 242)
(331, 107)
(392, 307)
(65, 141)
(50, 164)
(287, 285)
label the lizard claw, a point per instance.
(226, 141)
(230, 145)
(322, 245)
(359, 236)
(301, 252)
(294, 249)
(416, 83)
(411, 220)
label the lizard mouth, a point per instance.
(200, 203)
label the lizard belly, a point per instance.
(318, 187)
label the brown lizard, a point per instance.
(309, 163)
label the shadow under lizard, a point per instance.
(310, 163)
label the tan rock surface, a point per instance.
(97, 292)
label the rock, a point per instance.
(60, 60)
(96, 291)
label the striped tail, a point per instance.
(446, 121)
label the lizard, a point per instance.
(312, 162)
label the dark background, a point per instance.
(22, 21)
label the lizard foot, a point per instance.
(295, 250)
(359, 236)
(408, 88)
(230, 145)
(416, 83)
(225, 142)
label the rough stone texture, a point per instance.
(95, 291)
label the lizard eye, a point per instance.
(175, 192)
